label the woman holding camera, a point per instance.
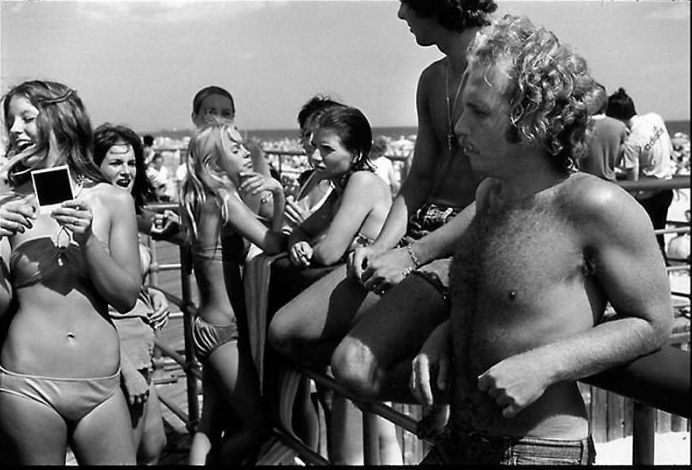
(60, 356)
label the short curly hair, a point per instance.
(455, 15)
(551, 89)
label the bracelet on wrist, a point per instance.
(412, 255)
(407, 271)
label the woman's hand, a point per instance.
(165, 224)
(301, 254)
(255, 183)
(159, 317)
(359, 259)
(294, 211)
(76, 216)
(16, 216)
(136, 387)
(386, 270)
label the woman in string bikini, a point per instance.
(60, 358)
(234, 421)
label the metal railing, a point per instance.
(660, 380)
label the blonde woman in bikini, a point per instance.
(234, 422)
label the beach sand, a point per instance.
(671, 448)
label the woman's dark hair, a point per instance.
(314, 107)
(353, 128)
(208, 91)
(620, 105)
(455, 15)
(107, 135)
(62, 122)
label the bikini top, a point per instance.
(40, 260)
(232, 248)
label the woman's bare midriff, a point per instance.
(56, 335)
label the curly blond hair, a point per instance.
(550, 89)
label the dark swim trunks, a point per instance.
(427, 219)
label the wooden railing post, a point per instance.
(186, 289)
(643, 434)
(371, 444)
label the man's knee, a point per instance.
(354, 366)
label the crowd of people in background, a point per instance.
(470, 272)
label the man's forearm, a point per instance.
(601, 348)
(411, 197)
(440, 243)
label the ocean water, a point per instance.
(392, 132)
(280, 134)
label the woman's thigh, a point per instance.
(323, 311)
(32, 433)
(104, 435)
(395, 328)
(237, 380)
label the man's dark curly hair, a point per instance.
(455, 15)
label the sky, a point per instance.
(140, 63)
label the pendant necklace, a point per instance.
(451, 107)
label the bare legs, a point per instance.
(149, 434)
(373, 360)
(231, 394)
(38, 435)
(347, 448)
(373, 357)
(309, 327)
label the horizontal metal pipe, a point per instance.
(307, 454)
(663, 231)
(162, 206)
(660, 379)
(170, 352)
(676, 182)
(401, 420)
(175, 409)
(155, 267)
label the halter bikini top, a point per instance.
(40, 260)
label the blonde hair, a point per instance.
(552, 88)
(205, 176)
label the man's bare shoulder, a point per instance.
(432, 73)
(599, 206)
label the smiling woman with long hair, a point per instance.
(60, 358)
(234, 422)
